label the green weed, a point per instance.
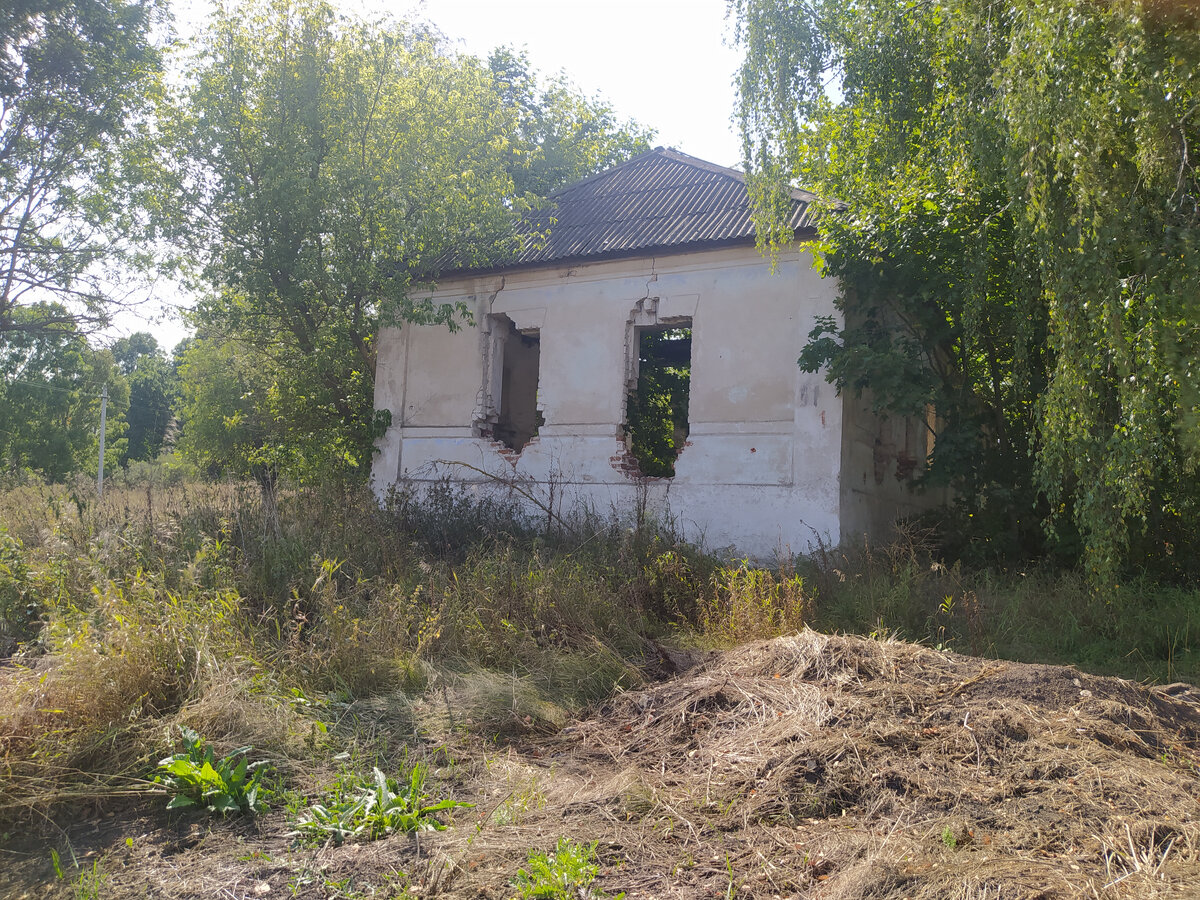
(372, 809)
(175, 605)
(565, 874)
(751, 603)
(196, 778)
(89, 884)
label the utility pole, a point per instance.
(103, 416)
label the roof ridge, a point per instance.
(686, 158)
(654, 151)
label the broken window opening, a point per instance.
(656, 420)
(519, 357)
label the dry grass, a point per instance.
(808, 766)
(531, 672)
(836, 767)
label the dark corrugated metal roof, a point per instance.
(660, 200)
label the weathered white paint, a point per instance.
(761, 471)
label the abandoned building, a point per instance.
(643, 356)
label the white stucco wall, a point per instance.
(760, 471)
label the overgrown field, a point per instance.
(387, 666)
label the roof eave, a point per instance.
(802, 234)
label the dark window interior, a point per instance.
(519, 415)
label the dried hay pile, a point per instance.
(842, 767)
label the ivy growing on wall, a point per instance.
(657, 411)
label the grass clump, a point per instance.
(87, 883)
(19, 614)
(750, 603)
(1031, 612)
(175, 605)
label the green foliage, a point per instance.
(19, 612)
(565, 874)
(226, 406)
(374, 808)
(1113, 210)
(153, 390)
(50, 383)
(332, 165)
(560, 136)
(657, 411)
(170, 606)
(1019, 233)
(321, 191)
(75, 82)
(752, 603)
(196, 778)
(129, 351)
(89, 884)
(92, 883)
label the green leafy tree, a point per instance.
(129, 351)
(559, 135)
(332, 164)
(235, 420)
(657, 411)
(1102, 117)
(225, 409)
(1019, 236)
(334, 161)
(76, 79)
(153, 392)
(50, 384)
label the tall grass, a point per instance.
(177, 605)
(1036, 613)
(173, 604)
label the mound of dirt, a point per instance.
(841, 767)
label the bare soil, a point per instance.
(808, 766)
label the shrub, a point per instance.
(20, 617)
(750, 603)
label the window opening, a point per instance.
(657, 409)
(520, 358)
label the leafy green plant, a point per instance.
(373, 809)
(90, 884)
(565, 874)
(197, 778)
(657, 411)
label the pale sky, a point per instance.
(665, 63)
